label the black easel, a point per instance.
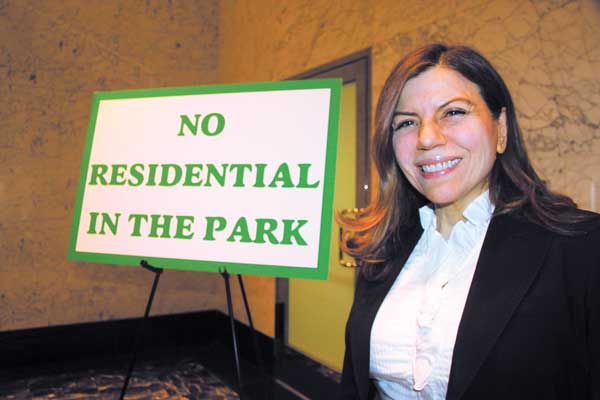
(236, 352)
(157, 272)
(257, 352)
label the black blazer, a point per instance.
(531, 324)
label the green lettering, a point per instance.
(166, 174)
(290, 232)
(118, 174)
(220, 124)
(137, 172)
(137, 221)
(186, 122)
(108, 222)
(192, 171)
(219, 176)
(282, 175)
(152, 174)
(265, 227)
(260, 175)
(240, 229)
(164, 226)
(92, 226)
(303, 180)
(240, 173)
(98, 171)
(184, 226)
(211, 228)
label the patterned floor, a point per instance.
(151, 380)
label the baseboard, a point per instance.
(115, 338)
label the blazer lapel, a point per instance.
(510, 258)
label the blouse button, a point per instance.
(421, 371)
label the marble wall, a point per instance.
(547, 50)
(53, 55)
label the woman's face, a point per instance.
(445, 138)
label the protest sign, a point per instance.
(211, 177)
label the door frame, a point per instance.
(355, 67)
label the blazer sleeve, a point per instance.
(348, 389)
(355, 383)
(593, 321)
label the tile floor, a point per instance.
(152, 380)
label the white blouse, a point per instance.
(413, 335)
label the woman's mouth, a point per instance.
(439, 168)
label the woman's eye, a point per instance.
(454, 112)
(403, 124)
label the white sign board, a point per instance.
(206, 178)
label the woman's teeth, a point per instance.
(440, 166)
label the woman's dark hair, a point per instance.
(375, 235)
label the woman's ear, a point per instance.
(502, 132)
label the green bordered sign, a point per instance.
(210, 177)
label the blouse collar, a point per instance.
(478, 212)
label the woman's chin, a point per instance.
(442, 199)
(447, 198)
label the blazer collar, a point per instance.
(512, 253)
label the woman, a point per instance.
(476, 281)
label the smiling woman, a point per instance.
(445, 140)
(476, 281)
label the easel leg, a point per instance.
(225, 276)
(257, 351)
(157, 272)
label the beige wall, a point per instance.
(548, 52)
(53, 55)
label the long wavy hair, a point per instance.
(374, 236)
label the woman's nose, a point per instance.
(430, 135)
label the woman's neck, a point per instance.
(450, 214)
(446, 218)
